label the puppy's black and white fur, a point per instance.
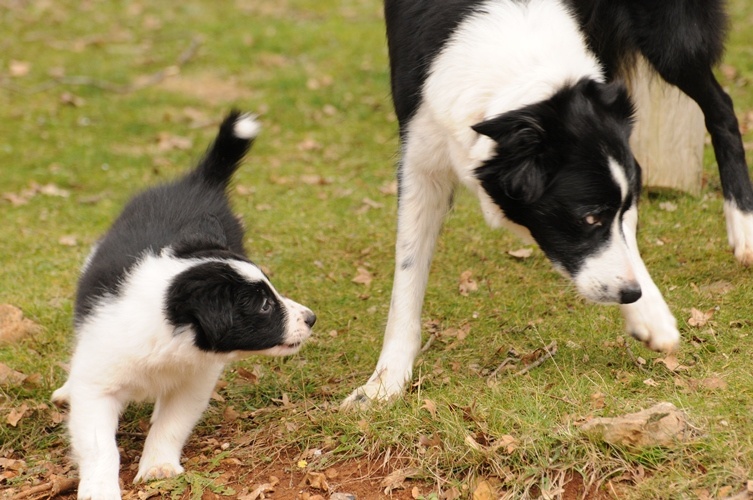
(517, 100)
(165, 299)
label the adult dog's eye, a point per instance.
(594, 220)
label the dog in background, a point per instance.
(519, 100)
(165, 299)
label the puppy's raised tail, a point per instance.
(237, 133)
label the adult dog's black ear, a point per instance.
(203, 297)
(515, 171)
(614, 97)
(204, 233)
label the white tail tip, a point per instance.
(246, 127)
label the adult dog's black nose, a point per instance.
(310, 319)
(630, 294)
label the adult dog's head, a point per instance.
(563, 169)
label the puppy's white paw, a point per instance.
(651, 322)
(62, 396)
(98, 489)
(739, 232)
(147, 472)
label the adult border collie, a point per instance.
(518, 100)
(165, 299)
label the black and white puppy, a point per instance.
(515, 100)
(165, 299)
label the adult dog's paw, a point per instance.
(739, 232)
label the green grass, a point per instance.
(316, 71)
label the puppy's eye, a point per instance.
(266, 306)
(594, 220)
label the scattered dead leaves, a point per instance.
(23, 197)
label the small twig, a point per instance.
(428, 343)
(634, 358)
(551, 349)
(152, 79)
(54, 487)
(504, 363)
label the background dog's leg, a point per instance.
(426, 188)
(649, 318)
(699, 83)
(93, 422)
(722, 124)
(175, 415)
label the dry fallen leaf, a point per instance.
(431, 407)
(699, 318)
(521, 253)
(9, 376)
(19, 68)
(661, 425)
(671, 362)
(668, 206)
(53, 190)
(168, 142)
(713, 383)
(484, 491)
(68, 240)
(230, 415)
(363, 277)
(316, 480)
(13, 325)
(16, 414)
(396, 479)
(467, 283)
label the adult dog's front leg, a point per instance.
(425, 198)
(649, 318)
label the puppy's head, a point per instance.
(563, 169)
(231, 306)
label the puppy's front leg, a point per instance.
(92, 423)
(175, 415)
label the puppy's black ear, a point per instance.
(204, 233)
(515, 170)
(203, 297)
